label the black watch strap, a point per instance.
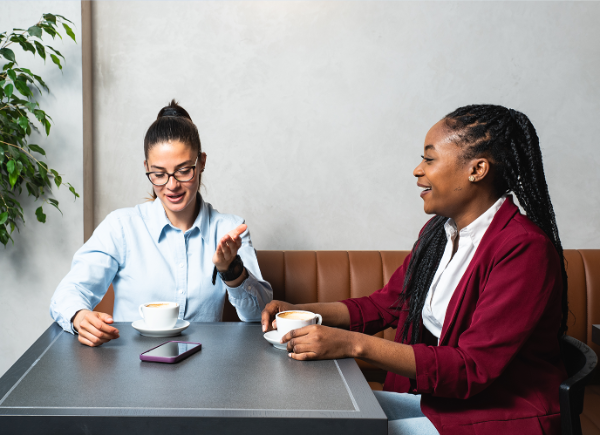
(233, 272)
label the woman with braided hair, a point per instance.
(479, 303)
(176, 248)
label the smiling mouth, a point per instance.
(174, 197)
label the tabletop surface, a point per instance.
(236, 374)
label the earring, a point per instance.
(471, 178)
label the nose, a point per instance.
(172, 183)
(418, 171)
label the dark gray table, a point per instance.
(237, 384)
(596, 334)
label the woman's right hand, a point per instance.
(268, 314)
(93, 327)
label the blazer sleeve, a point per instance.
(523, 282)
(374, 313)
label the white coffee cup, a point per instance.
(294, 319)
(160, 315)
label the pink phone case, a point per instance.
(170, 360)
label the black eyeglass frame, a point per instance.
(193, 168)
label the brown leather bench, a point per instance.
(328, 276)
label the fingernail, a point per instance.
(109, 319)
(290, 355)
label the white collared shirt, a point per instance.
(451, 269)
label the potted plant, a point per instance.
(22, 165)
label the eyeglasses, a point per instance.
(182, 175)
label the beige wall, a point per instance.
(313, 114)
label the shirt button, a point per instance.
(180, 292)
(181, 265)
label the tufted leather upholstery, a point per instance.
(327, 276)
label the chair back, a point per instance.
(580, 362)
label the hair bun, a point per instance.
(169, 111)
(173, 109)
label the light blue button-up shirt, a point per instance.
(147, 259)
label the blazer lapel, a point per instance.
(503, 216)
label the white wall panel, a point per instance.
(313, 114)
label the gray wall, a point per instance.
(313, 114)
(32, 268)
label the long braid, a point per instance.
(509, 138)
(426, 255)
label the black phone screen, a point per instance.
(171, 349)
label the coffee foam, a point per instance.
(296, 315)
(160, 305)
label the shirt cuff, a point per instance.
(356, 319)
(426, 370)
(242, 290)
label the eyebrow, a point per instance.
(187, 162)
(429, 147)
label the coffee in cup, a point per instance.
(160, 315)
(294, 319)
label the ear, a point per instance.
(146, 165)
(479, 169)
(202, 161)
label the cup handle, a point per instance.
(320, 319)
(140, 310)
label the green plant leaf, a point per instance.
(8, 53)
(69, 31)
(37, 149)
(12, 74)
(1, 156)
(50, 17)
(56, 51)
(47, 126)
(72, 190)
(50, 30)
(57, 178)
(3, 217)
(35, 31)
(8, 90)
(56, 60)
(60, 16)
(40, 49)
(14, 175)
(23, 123)
(40, 215)
(23, 88)
(10, 166)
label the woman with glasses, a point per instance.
(176, 248)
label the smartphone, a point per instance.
(170, 352)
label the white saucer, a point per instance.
(273, 337)
(141, 327)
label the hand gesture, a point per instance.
(228, 247)
(94, 328)
(268, 314)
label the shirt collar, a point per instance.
(476, 229)
(160, 220)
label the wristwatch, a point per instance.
(233, 272)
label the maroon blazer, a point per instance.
(497, 367)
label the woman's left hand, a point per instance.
(319, 342)
(228, 248)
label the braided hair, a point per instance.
(509, 140)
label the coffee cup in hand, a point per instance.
(160, 315)
(294, 319)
